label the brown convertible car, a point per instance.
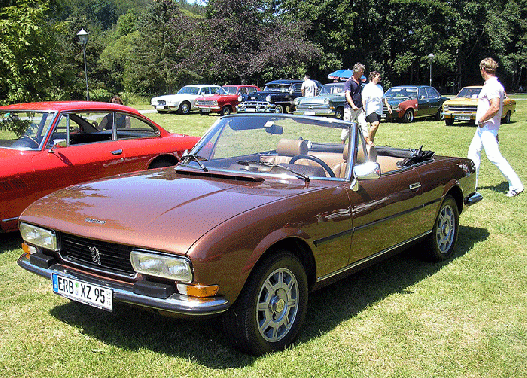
(263, 210)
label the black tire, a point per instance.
(339, 113)
(444, 234)
(438, 115)
(279, 109)
(271, 308)
(408, 116)
(449, 121)
(184, 107)
(226, 110)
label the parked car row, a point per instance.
(407, 102)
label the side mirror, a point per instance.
(60, 143)
(371, 170)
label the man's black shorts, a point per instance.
(373, 117)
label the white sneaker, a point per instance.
(513, 192)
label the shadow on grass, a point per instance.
(500, 188)
(10, 241)
(133, 329)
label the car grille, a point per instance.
(462, 108)
(205, 102)
(97, 255)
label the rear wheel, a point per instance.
(271, 307)
(444, 233)
(408, 116)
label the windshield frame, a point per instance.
(37, 134)
(206, 147)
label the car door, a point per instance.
(80, 149)
(385, 211)
(140, 143)
(423, 103)
(434, 98)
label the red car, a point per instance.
(226, 100)
(47, 146)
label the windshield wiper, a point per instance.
(271, 165)
(185, 159)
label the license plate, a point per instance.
(310, 113)
(205, 110)
(93, 295)
(250, 110)
(463, 118)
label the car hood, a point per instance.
(462, 101)
(174, 97)
(398, 100)
(320, 99)
(162, 210)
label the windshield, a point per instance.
(277, 88)
(469, 92)
(228, 90)
(189, 90)
(269, 144)
(332, 89)
(397, 92)
(24, 130)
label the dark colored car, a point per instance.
(413, 101)
(225, 101)
(329, 102)
(278, 96)
(46, 146)
(264, 209)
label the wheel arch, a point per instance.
(456, 192)
(163, 158)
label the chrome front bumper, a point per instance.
(129, 293)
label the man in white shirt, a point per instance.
(488, 119)
(309, 87)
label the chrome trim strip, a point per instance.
(369, 258)
(353, 229)
(9, 220)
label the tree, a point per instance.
(27, 51)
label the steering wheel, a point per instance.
(316, 160)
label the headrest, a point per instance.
(290, 147)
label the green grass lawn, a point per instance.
(401, 318)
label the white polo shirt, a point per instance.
(491, 89)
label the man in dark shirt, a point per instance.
(353, 111)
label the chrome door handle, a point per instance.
(415, 186)
(117, 152)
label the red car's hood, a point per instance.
(161, 210)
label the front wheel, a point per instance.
(507, 118)
(271, 308)
(226, 110)
(279, 109)
(408, 116)
(184, 107)
(449, 121)
(444, 233)
(339, 113)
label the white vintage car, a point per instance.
(185, 100)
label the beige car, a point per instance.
(463, 107)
